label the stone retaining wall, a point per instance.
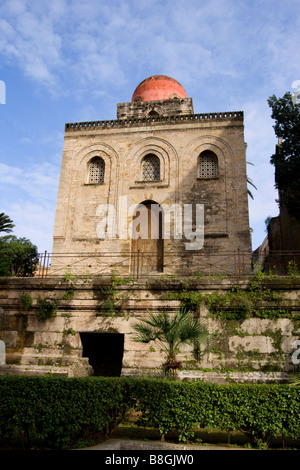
(238, 349)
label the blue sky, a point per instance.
(68, 61)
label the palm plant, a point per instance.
(6, 224)
(249, 181)
(170, 332)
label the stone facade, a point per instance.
(186, 174)
(241, 349)
(171, 134)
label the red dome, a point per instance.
(158, 87)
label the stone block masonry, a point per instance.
(90, 331)
(199, 160)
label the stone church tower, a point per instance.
(159, 189)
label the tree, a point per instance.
(18, 256)
(6, 224)
(286, 113)
(170, 332)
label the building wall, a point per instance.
(177, 142)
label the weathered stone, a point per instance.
(256, 344)
(251, 343)
(167, 130)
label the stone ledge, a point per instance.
(29, 370)
(214, 377)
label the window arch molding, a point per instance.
(82, 158)
(215, 144)
(169, 161)
(154, 153)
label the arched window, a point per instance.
(151, 168)
(207, 165)
(96, 171)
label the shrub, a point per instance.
(26, 301)
(46, 308)
(48, 412)
(260, 411)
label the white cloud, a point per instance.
(32, 42)
(226, 53)
(32, 207)
(68, 44)
(33, 220)
(38, 181)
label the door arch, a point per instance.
(147, 244)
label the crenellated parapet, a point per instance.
(135, 122)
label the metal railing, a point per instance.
(140, 264)
(143, 264)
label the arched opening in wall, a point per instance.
(105, 352)
(96, 171)
(153, 114)
(207, 165)
(151, 168)
(147, 244)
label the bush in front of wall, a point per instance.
(53, 413)
(260, 411)
(48, 412)
(46, 308)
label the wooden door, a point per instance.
(147, 239)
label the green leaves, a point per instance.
(6, 224)
(18, 256)
(286, 159)
(53, 412)
(170, 331)
(46, 308)
(260, 411)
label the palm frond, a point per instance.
(6, 224)
(144, 333)
(170, 330)
(249, 181)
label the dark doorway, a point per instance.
(105, 352)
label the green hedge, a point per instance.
(52, 412)
(260, 411)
